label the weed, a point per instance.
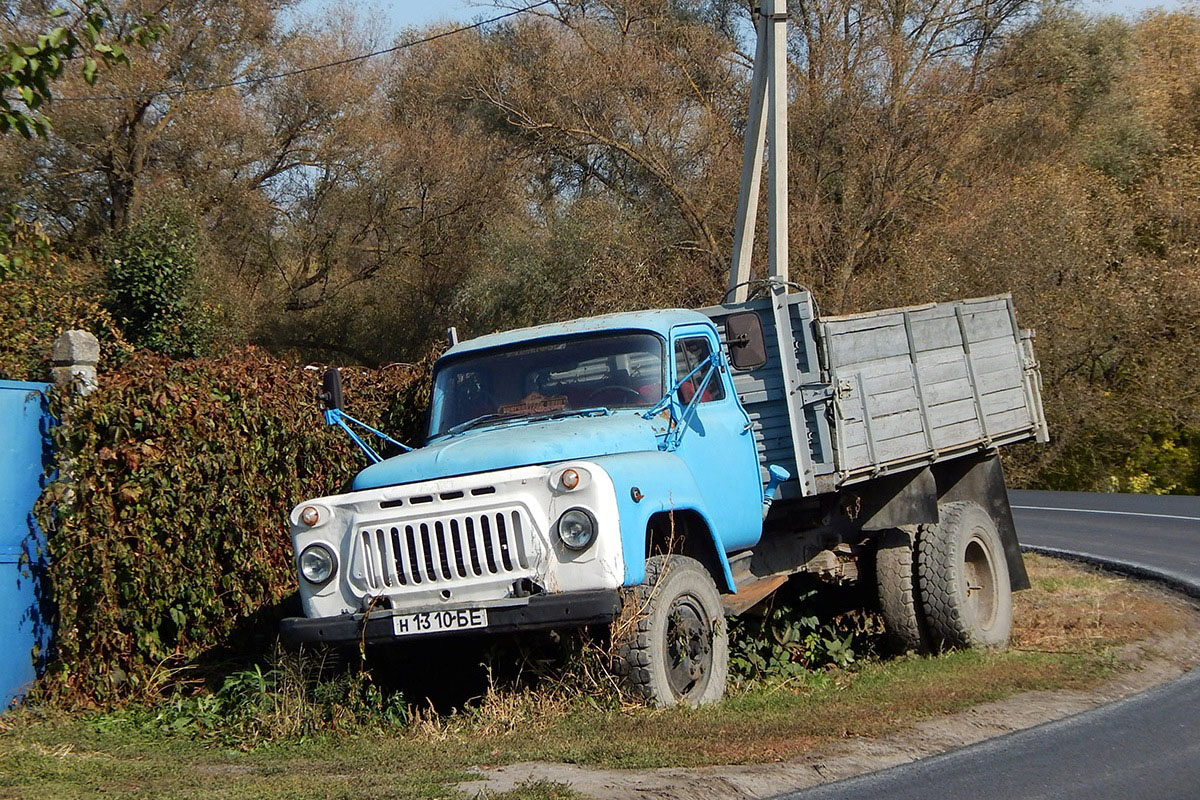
(293, 698)
(536, 790)
(791, 637)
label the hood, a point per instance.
(515, 445)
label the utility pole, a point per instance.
(766, 130)
(766, 133)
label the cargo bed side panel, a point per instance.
(921, 384)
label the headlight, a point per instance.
(317, 564)
(577, 529)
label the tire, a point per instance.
(964, 584)
(671, 643)
(896, 580)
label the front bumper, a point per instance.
(565, 610)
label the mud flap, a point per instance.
(981, 480)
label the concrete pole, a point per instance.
(777, 211)
(752, 158)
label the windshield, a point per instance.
(548, 378)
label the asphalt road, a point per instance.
(1145, 747)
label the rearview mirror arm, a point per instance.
(673, 438)
(335, 416)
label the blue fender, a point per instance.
(664, 483)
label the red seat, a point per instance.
(649, 392)
(688, 390)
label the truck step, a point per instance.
(751, 594)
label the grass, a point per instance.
(1068, 625)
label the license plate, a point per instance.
(460, 619)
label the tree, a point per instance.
(632, 99)
(28, 67)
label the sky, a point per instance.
(406, 13)
(400, 14)
(396, 15)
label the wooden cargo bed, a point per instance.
(888, 390)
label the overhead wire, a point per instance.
(251, 81)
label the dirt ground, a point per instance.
(1146, 664)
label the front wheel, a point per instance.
(671, 642)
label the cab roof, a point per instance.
(659, 321)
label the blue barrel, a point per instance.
(24, 450)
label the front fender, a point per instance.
(665, 483)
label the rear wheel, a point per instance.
(671, 643)
(965, 590)
(896, 580)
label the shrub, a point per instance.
(799, 630)
(1165, 461)
(167, 530)
(150, 268)
(41, 295)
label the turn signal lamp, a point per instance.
(569, 479)
(310, 516)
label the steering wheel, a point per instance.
(597, 393)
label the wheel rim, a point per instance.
(688, 647)
(982, 589)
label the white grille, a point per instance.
(445, 549)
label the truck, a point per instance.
(659, 471)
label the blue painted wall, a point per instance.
(24, 631)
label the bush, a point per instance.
(803, 629)
(1165, 461)
(151, 269)
(167, 530)
(41, 296)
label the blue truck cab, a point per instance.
(613, 391)
(558, 458)
(659, 470)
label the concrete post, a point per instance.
(75, 356)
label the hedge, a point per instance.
(167, 529)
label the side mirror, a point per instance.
(744, 336)
(330, 395)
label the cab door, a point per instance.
(717, 443)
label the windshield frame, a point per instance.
(541, 341)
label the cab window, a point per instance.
(689, 353)
(547, 378)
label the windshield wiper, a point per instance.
(482, 418)
(572, 412)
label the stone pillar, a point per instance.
(76, 354)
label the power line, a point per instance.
(184, 90)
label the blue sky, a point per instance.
(399, 14)
(422, 12)
(405, 13)
(396, 15)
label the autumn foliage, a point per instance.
(577, 159)
(168, 530)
